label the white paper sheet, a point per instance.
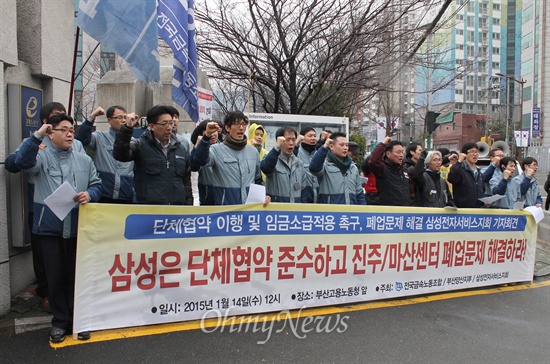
(61, 200)
(537, 212)
(256, 194)
(519, 205)
(490, 199)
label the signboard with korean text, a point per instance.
(144, 265)
(535, 122)
(205, 104)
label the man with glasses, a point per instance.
(50, 168)
(285, 173)
(234, 164)
(161, 162)
(466, 178)
(117, 178)
(46, 111)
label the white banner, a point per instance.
(522, 138)
(205, 104)
(140, 265)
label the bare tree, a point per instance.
(306, 56)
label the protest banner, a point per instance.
(141, 265)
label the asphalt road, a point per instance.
(497, 327)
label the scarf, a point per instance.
(234, 144)
(308, 147)
(342, 166)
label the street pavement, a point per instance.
(500, 325)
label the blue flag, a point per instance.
(128, 28)
(176, 25)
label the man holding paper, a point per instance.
(51, 168)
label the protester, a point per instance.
(488, 172)
(392, 180)
(527, 184)
(204, 185)
(161, 161)
(305, 150)
(117, 178)
(432, 190)
(234, 164)
(412, 154)
(186, 144)
(547, 190)
(466, 178)
(371, 192)
(256, 138)
(46, 111)
(325, 134)
(50, 168)
(500, 184)
(339, 180)
(285, 173)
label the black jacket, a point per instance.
(466, 188)
(392, 181)
(160, 180)
(433, 190)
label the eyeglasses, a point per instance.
(166, 123)
(474, 152)
(238, 125)
(120, 117)
(65, 130)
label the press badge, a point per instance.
(296, 186)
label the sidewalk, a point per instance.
(26, 314)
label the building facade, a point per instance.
(36, 42)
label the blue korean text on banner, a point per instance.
(128, 28)
(176, 25)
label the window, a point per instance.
(470, 109)
(460, 32)
(469, 80)
(459, 17)
(470, 22)
(458, 107)
(496, 50)
(527, 93)
(527, 14)
(471, 36)
(496, 65)
(470, 6)
(460, 47)
(496, 6)
(496, 21)
(496, 35)
(482, 66)
(458, 91)
(483, 52)
(527, 41)
(527, 67)
(484, 8)
(469, 95)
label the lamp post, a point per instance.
(521, 82)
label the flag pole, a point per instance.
(71, 91)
